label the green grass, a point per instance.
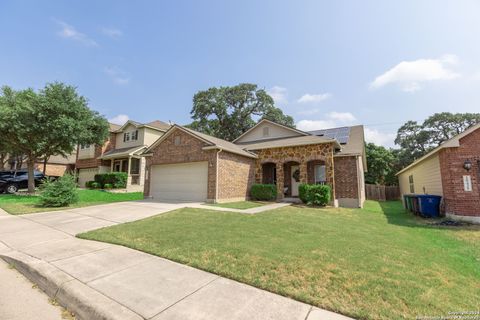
(239, 205)
(373, 263)
(22, 204)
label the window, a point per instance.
(320, 174)
(126, 137)
(135, 166)
(177, 140)
(135, 135)
(266, 131)
(83, 147)
(412, 185)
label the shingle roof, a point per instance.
(122, 152)
(288, 142)
(159, 125)
(114, 127)
(220, 143)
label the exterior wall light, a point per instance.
(467, 165)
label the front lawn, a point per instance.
(372, 263)
(239, 204)
(21, 204)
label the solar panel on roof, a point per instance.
(341, 134)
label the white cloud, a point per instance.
(314, 98)
(409, 75)
(332, 120)
(119, 119)
(118, 75)
(112, 32)
(69, 32)
(379, 138)
(344, 117)
(279, 94)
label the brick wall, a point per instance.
(236, 174)
(346, 181)
(189, 150)
(456, 199)
(54, 170)
(99, 150)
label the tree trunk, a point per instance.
(31, 178)
(45, 160)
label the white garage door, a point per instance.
(85, 175)
(185, 181)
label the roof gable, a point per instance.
(156, 125)
(452, 143)
(268, 130)
(211, 142)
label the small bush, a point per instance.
(59, 193)
(116, 179)
(314, 194)
(96, 185)
(263, 192)
(89, 184)
(107, 186)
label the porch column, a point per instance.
(129, 177)
(111, 164)
(303, 171)
(280, 178)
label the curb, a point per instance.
(85, 302)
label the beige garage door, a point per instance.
(85, 175)
(185, 181)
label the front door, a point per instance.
(295, 172)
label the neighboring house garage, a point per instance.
(185, 165)
(85, 175)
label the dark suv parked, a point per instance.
(12, 181)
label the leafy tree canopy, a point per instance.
(381, 165)
(227, 112)
(415, 140)
(49, 122)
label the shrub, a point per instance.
(116, 179)
(59, 193)
(96, 185)
(264, 192)
(89, 184)
(107, 186)
(314, 194)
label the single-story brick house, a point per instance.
(188, 165)
(452, 171)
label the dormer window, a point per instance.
(266, 132)
(130, 136)
(135, 135)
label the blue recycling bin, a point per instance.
(429, 205)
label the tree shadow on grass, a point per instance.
(396, 214)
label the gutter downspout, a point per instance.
(216, 177)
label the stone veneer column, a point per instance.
(280, 182)
(303, 171)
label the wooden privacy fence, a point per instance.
(382, 193)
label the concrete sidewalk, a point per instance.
(103, 281)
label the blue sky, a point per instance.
(378, 63)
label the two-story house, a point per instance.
(120, 153)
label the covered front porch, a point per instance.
(130, 161)
(287, 168)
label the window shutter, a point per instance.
(124, 137)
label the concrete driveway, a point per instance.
(103, 281)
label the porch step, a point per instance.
(292, 200)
